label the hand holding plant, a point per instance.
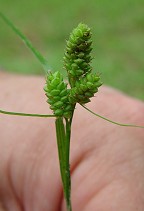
(106, 160)
(84, 84)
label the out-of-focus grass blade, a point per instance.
(38, 55)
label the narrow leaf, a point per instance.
(25, 114)
(111, 121)
(37, 54)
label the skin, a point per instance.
(107, 161)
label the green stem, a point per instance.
(25, 114)
(68, 177)
(60, 132)
(63, 141)
(111, 121)
(72, 114)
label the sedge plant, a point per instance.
(83, 85)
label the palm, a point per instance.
(106, 160)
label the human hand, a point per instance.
(107, 161)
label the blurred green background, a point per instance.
(118, 37)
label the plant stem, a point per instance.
(63, 141)
(67, 149)
(60, 132)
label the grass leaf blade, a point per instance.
(25, 114)
(37, 54)
(111, 121)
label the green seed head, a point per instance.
(77, 54)
(58, 95)
(84, 84)
(84, 89)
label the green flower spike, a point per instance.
(84, 84)
(77, 60)
(57, 93)
(77, 54)
(84, 89)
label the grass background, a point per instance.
(118, 37)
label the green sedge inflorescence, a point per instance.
(84, 89)
(84, 84)
(77, 54)
(58, 95)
